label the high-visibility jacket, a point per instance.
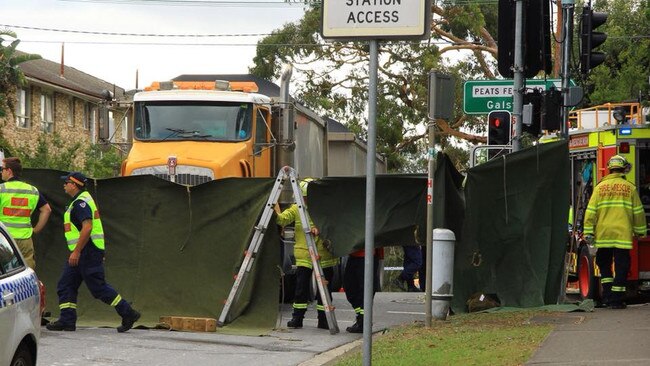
(614, 213)
(18, 201)
(71, 231)
(300, 250)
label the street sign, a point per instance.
(385, 19)
(484, 96)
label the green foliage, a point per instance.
(52, 152)
(10, 74)
(102, 164)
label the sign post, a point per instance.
(373, 20)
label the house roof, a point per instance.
(50, 72)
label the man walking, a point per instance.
(84, 235)
(18, 201)
(613, 217)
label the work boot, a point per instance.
(128, 321)
(58, 326)
(295, 322)
(357, 327)
(618, 305)
(322, 321)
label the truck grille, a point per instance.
(185, 174)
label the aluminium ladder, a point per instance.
(256, 241)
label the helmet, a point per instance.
(617, 162)
(303, 186)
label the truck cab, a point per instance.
(192, 133)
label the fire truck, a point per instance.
(595, 135)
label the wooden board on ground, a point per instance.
(189, 324)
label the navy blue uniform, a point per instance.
(89, 270)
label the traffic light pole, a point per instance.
(518, 92)
(567, 9)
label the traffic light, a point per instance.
(536, 38)
(590, 39)
(499, 128)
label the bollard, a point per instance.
(442, 274)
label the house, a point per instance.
(62, 101)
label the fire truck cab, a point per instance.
(596, 134)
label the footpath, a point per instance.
(601, 337)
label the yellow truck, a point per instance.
(191, 132)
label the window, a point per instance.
(125, 128)
(71, 112)
(9, 260)
(22, 108)
(260, 132)
(47, 113)
(90, 115)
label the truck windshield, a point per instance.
(193, 120)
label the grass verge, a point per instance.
(502, 338)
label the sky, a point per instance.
(190, 36)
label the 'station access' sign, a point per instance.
(354, 19)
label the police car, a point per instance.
(21, 305)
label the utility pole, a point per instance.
(567, 11)
(518, 92)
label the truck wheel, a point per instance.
(588, 283)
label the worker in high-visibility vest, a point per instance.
(304, 265)
(613, 217)
(84, 234)
(19, 200)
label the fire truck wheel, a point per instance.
(588, 282)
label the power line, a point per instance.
(135, 34)
(216, 44)
(223, 3)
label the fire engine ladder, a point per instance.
(256, 241)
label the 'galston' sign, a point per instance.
(354, 19)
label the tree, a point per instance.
(333, 77)
(10, 74)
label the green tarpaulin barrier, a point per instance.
(170, 250)
(515, 230)
(173, 250)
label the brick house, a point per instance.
(67, 102)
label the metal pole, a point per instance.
(567, 9)
(431, 157)
(370, 206)
(518, 92)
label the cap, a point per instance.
(617, 162)
(75, 177)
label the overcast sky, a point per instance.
(115, 58)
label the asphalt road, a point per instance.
(104, 346)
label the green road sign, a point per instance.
(484, 96)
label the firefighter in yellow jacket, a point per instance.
(613, 217)
(303, 262)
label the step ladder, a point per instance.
(258, 235)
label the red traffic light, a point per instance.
(499, 128)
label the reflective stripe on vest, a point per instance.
(71, 232)
(18, 201)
